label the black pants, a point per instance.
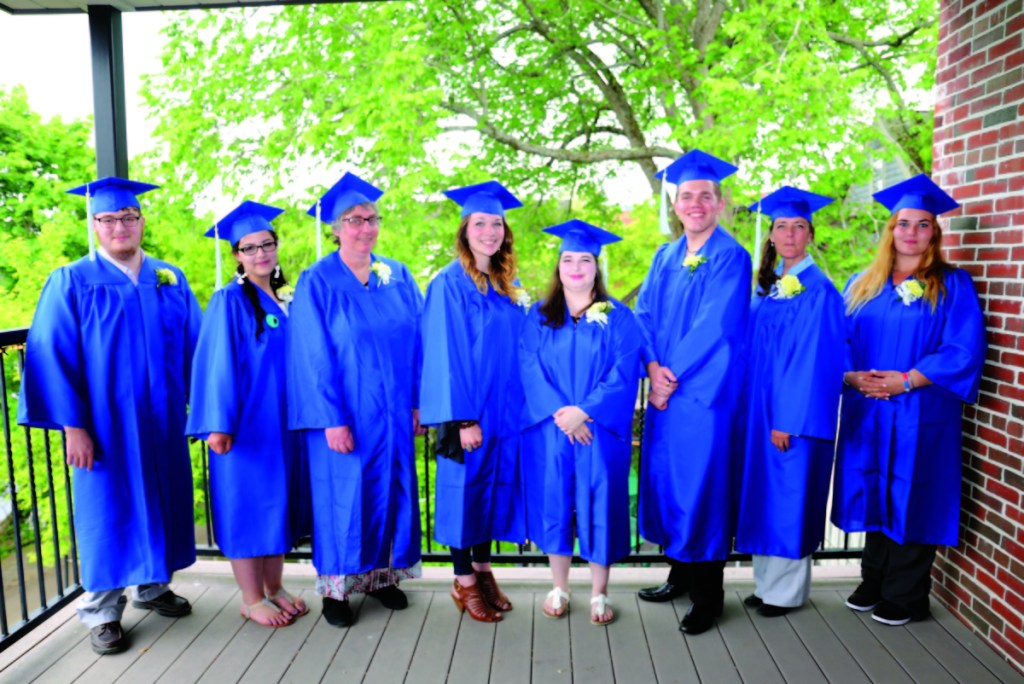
(704, 579)
(900, 573)
(463, 559)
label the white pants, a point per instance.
(96, 608)
(782, 582)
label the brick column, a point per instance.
(979, 157)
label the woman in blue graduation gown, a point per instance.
(471, 391)
(238, 407)
(354, 362)
(789, 407)
(580, 359)
(916, 348)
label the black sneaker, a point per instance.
(890, 614)
(108, 638)
(864, 598)
(167, 604)
(391, 597)
(338, 613)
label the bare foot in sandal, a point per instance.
(289, 604)
(600, 612)
(265, 613)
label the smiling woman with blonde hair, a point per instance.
(916, 348)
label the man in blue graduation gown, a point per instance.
(107, 360)
(693, 309)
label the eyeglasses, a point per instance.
(267, 246)
(126, 221)
(358, 221)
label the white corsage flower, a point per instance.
(165, 276)
(598, 313)
(286, 293)
(523, 298)
(383, 272)
(910, 290)
(787, 287)
(692, 261)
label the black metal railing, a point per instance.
(38, 541)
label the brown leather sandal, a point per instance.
(492, 594)
(470, 600)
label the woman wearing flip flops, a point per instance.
(580, 357)
(237, 405)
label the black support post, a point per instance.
(108, 91)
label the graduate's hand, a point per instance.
(781, 440)
(570, 418)
(663, 380)
(866, 383)
(79, 447)
(658, 400)
(340, 439)
(219, 442)
(472, 437)
(881, 384)
(417, 429)
(582, 434)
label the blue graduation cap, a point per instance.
(247, 217)
(580, 236)
(790, 202)
(112, 194)
(919, 192)
(697, 165)
(108, 194)
(485, 198)
(348, 192)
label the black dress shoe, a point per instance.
(768, 610)
(108, 638)
(167, 604)
(662, 593)
(699, 619)
(391, 597)
(338, 613)
(753, 601)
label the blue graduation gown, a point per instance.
(114, 358)
(471, 372)
(694, 323)
(238, 388)
(898, 461)
(354, 359)
(576, 488)
(794, 377)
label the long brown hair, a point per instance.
(503, 263)
(930, 270)
(766, 273)
(552, 309)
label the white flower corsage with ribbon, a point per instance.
(693, 261)
(286, 293)
(910, 290)
(787, 287)
(382, 271)
(598, 313)
(523, 298)
(165, 276)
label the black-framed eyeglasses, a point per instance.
(126, 221)
(267, 246)
(357, 222)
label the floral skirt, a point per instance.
(340, 587)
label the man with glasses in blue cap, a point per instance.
(693, 307)
(107, 361)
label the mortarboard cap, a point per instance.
(697, 165)
(348, 192)
(919, 192)
(790, 202)
(112, 194)
(580, 236)
(484, 198)
(247, 217)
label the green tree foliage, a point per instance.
(557, 98)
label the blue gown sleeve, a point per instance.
(848, 327)
(542, 396)
(415, 299)
(956, 366)
(316, 394)
(705, 359)
(611, 402)
(215, 398)
(56, 394)
(644, 317)
(193, 326)
(448, 390)
(805, 398)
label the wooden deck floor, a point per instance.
(429, 642)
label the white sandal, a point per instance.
(557, 596)
(601, 603)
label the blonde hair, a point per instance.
(503, 263)
(931, 269)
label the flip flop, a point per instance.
(283, 594)
(248, 608)
(557, 610)
(601, 603)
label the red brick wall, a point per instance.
(979, 158)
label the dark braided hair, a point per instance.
(766, 276)
(277, 280)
